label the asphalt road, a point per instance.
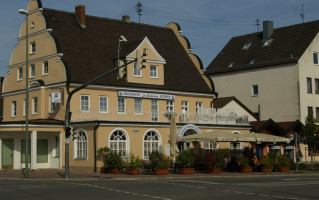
(277, 187)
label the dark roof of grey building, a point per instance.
(287, 46)
(90, 52)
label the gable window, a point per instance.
(246, 46)
(45, 69)
(121, 105)
(14, 109)
(20, 73)
(80, 146)
(32, 25)
(137, 73)
(32, 71)
(32, 47)
(35, 105)
(315, 58)
(85, 103)
(151, 143)
(309, 85)
(154, 110)
(103, 104)
(254, 90)
(199, 106)
(118, 142)
(137, 106)
(153, 71)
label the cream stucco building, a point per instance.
(129, 115)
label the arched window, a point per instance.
(151, 143)
(81, 146)
(118, 142)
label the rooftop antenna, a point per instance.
(302, 15)
(139, 11)
(257, 24)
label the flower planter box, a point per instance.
(114, 170)
(284, 169)
(246, 169)
(266, 169)
(161, 171)
(131, 171)
(213, 171)
(187, 171)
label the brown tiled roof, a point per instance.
(223, 101)
(90, 52)
(288, 45)
(277, 128)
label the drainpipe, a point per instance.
(94, 140)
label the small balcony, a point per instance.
(203, 116)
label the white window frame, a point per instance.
(118, 105)
(170, 106)
(199, 106)
(13, 109)
(253, 94)
(32, 71)
(45, 68)
(150, 143)
(35, 105)
(156, 71)
(32, 47)
(20, 74)
(135, 71)
(154, 115)
(209, 147)
(83, 107)
(104, 108)
(185, 106)
(119, 143)
(81, 146)
(51, 105)
(317, 55)
(138, 106)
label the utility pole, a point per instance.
(257, 24)
(302, 15)
(139, 11)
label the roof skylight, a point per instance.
(253, 61)
(267, 43)
(246, 46)
(231, 64)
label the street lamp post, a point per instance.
(26, 13)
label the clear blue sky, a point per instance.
(208, 24)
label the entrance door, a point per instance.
(7, 154)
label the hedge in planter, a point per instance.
(266, 164)
(134, 165)
(113, 162)
(159, 163)
(102, 153)
(186, 159)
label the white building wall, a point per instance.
(239, 110)
(278, 90)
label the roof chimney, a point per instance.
(80, 15)
(126, 18)
(268, 29)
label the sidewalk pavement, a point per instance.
(59, 175)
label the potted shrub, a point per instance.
(134, 165)
(283, 163)
(214, 162)
(102, 153)
(266, 164)
(243, 162)
(186, 159)
(159, 163)
(114, 163)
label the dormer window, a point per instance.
(252, 61)
(231, 64)
(267, 43)
(246, 46)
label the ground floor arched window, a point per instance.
(151, 143)
(119, 142)
(81, 146)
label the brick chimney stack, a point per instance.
(80, 15)
(126, 18)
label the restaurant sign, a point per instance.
(146, 95)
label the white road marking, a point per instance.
(32, 186)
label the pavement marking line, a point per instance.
(213, 183)
(12, 186)
(249, 193)
(120, 191)
(290, 179)
(32, 186)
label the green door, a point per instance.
(7, 154)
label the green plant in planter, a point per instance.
(159, 161)
(219, 157)
(266, 162)
(114, 160)
(214, 160)
(243, 161)
(102, 154)
(186, 158)
(135, 162)
(283, 161)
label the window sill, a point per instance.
(254, 95)
(137, 76)
(80, 159)
(85, 111)
(121, 113)
(154, 77)
(103, 112)
(31, 53)
(44, 74)
(138, 113)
